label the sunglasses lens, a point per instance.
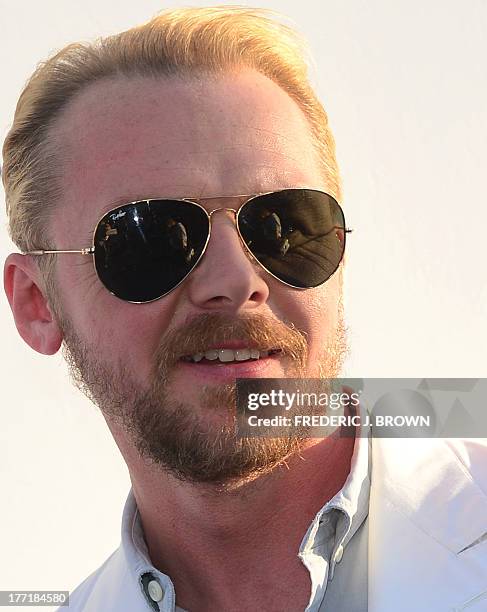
(145, 249)
(298, 235)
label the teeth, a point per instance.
(228, 355)
(243, 354)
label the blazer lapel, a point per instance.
(428, 525)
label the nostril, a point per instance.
(255, 297)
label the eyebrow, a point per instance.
(124, 200)
(121, 201)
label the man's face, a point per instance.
(131, 139)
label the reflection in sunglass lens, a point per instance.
(145, 249)
(298, 235)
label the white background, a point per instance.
(404, 84)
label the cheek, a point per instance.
(317, 312)
(116, 332)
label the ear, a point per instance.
(33, 317)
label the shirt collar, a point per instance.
(340, 517)
(137, 558)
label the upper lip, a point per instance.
(230, 344)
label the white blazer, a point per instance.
(428, 526)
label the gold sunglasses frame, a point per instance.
(196, 201)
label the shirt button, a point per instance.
(155, 590)
(339, 554)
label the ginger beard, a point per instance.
(177, 436)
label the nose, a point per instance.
(227, 278)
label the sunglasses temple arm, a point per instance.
(347, 230)
(86, 251)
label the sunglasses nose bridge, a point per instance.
(233, 210)
(235, 217)
(225, 209)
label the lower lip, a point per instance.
(267, 367)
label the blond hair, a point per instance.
(176, 42)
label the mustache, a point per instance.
(210, 329)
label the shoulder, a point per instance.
(428, 511)
(435, 459)
(440, 485)
(472, 455)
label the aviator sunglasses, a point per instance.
(143, 250)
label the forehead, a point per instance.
(126, 139)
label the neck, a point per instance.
(203, 536)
